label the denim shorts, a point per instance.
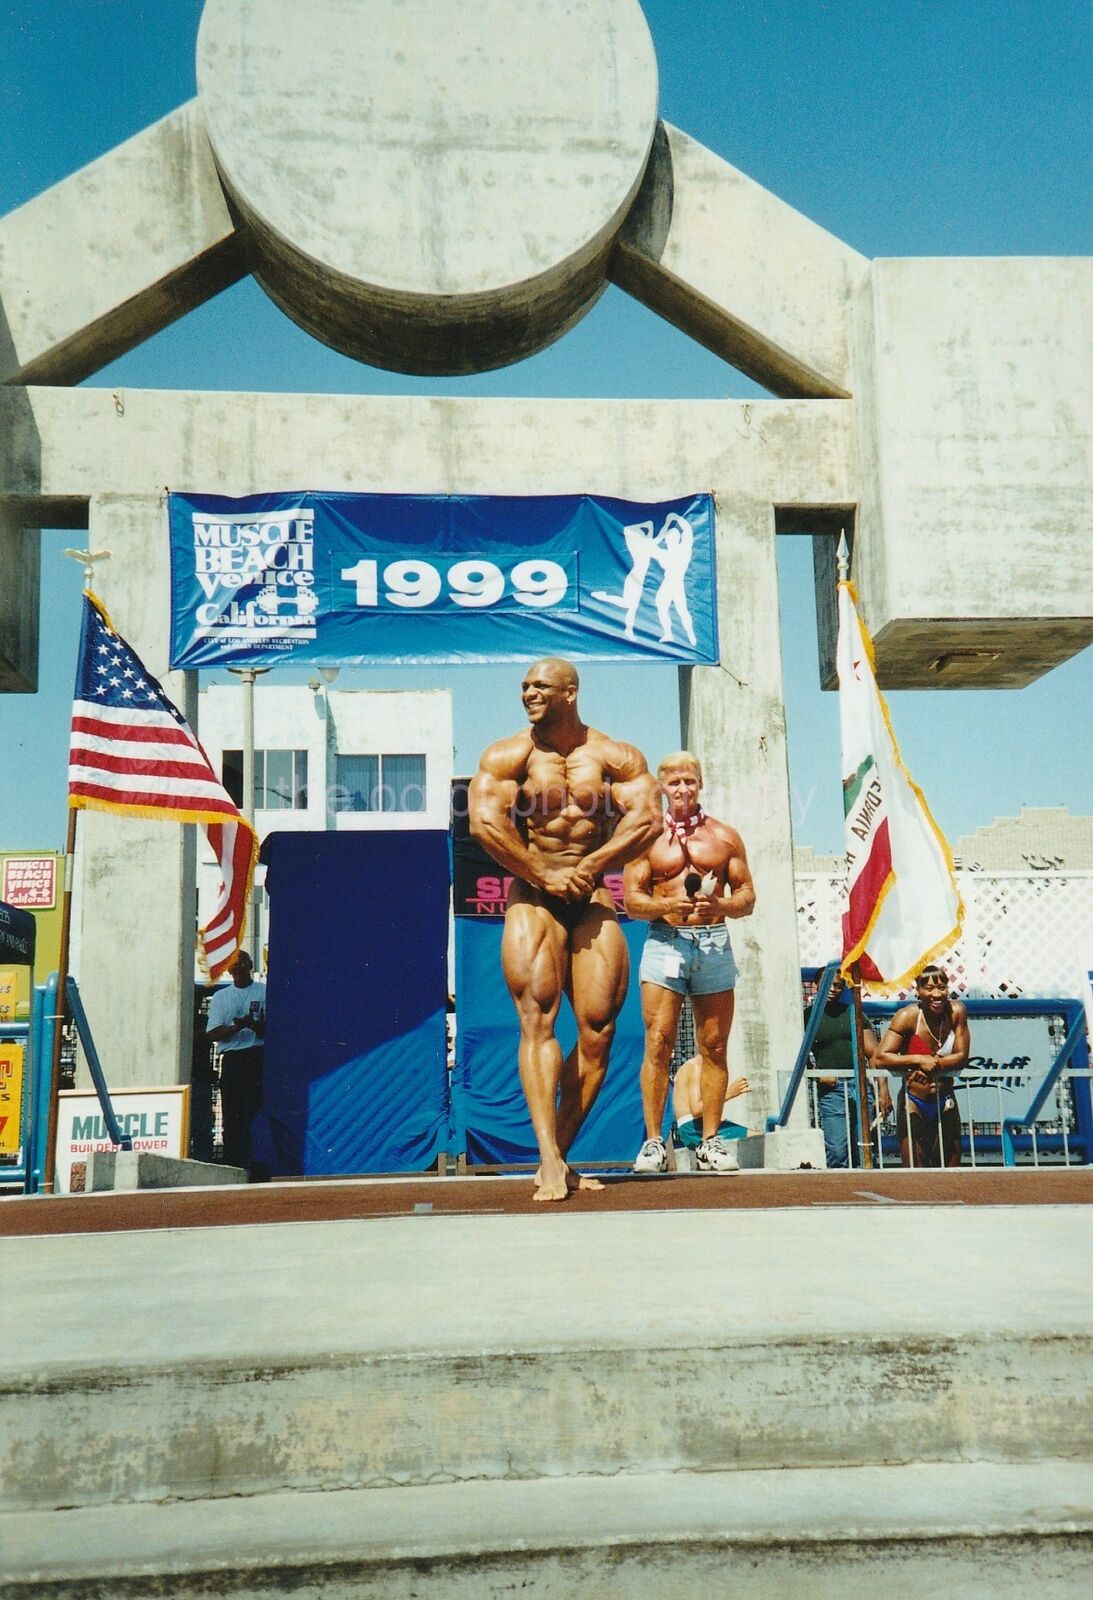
(688, 960)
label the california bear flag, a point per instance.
(902, 907)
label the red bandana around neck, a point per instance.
(682, 830)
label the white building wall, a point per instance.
(328, 723)
(396, 722)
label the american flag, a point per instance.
(133, 751)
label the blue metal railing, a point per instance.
(1011, 1137)
(83, 1029)
(44, 1021)
(1063, 1143)
(1074, 1045)
(43, 1005)
(800, 1066)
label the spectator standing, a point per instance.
(237, 1024)
(836, 1089)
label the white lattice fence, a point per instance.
(1025, 933)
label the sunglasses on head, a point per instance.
(932, 981)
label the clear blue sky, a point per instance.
(928, 127)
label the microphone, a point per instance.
(692, 883)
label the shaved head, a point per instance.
(559, 669)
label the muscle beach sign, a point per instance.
(342, 579)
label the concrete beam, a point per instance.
(740, 271)
(57, 448)
(815, 461)
(114, 253)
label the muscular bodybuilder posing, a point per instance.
(558, 805)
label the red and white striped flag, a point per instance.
(903, 906)
(133, 751)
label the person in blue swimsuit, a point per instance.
(927, 1043)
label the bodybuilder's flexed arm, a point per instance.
(635, 798)
(492, 797)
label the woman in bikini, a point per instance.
(926, 1043)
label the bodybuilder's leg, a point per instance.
(533, 960)
(599, 971)
(660, 1009)
(713, 1015)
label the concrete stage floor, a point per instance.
(339, 1199)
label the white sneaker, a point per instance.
(716, 1155)
(652, 1157)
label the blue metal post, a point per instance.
(826, 980)
(83, 1028)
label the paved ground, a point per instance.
(320, 1200)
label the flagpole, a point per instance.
(88, 558)
(865, 1145)
(248, 677)
(861, 1080)
(62, 1008)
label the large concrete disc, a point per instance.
(431, 185)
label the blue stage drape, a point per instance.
(355, 1072)
(489, 1115)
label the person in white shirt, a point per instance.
(237, 1025)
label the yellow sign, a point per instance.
(11, 1098)
(9, 993)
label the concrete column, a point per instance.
(734, 721)
(135, 894)
(20, 558)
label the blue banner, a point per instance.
(355, 579)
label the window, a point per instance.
(380, 783)
(356, 782)
(280, 779)
(402, 783)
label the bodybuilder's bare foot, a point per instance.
(552, 1181)
(577, 1180)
